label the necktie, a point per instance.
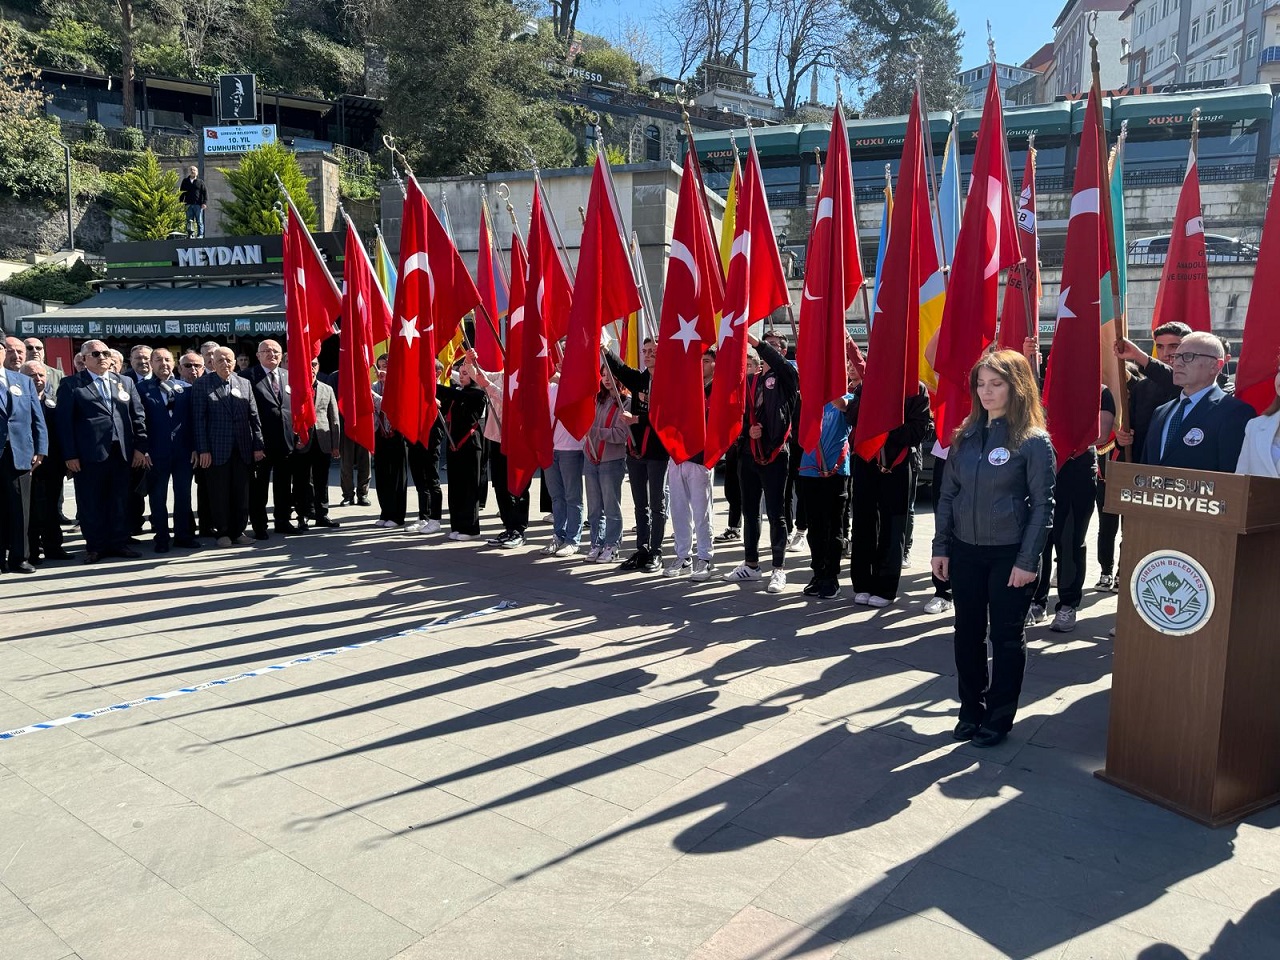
(102, 389)
(1175, 423)
(275, 383)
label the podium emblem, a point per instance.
(1172, 593)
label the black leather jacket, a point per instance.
(993, 495)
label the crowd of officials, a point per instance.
(202, 447)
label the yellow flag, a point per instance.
(451, 353)
(730, 220)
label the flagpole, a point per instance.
(1108, 222)
(932, 180)
(646, 297)
(853, 198)
(293, 211)
(791, 314)
(697, 166)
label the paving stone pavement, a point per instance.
(619, 766)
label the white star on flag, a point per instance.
(726, 330)
(543, 351)
(688, 332)
(1065, 312)
(409, 329)
(514, 381)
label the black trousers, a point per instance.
(311, 482)
(102, 493)
(424, 465)
(137, 498)
(16, 508)
(1108, 523)
(389, 454)
(44, 530)
(988, 608)
(792, 499)
(941, 588)
(648, 480)
(770, 481)
(274, 474)
(733, 487)
(827, 498)
(1074, 495)
(227, 495)
(880, 515)
(464, 486)
(353, 473)
(513, 510)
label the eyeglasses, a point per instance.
(100, 354)
(1187, 358)
(192, 365)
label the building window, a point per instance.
(1195, 31)
(1251, 46)
(1210, 22)
(652, 143)
(1226, 12)
(1160, 49)
(1235, 55)
(1164, 11)
(1191, 72)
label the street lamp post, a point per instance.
(71, 228)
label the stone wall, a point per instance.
(40, 226)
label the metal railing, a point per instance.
(161, 143)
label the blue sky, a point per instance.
(1019, 26)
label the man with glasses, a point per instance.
(1203, 427)
(191, 369)
(171, 456)
(52, 375)
(228, 441)
(103, 431)
(274, 473)
(24, 443)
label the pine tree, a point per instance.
(251, 211)
(882, 45)
(145, 199)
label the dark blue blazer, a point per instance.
(22, 427)
(169, 432)
(90, 426)
(1209, 437)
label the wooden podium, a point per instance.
(1195, 693)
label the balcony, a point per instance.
(1269, 55)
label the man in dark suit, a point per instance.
(44, 526)
(323, 446)
(24, 442)
(52, 375)
(228, 440)
(167, 401)
(103, 431)
(1203, 428)
(275, 471)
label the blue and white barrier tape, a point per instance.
(319, 655)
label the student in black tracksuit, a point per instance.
(763, 460)
(995, 511)
(463, 408)
(882, 508)
(646, 464)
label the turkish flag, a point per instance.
(453, 292)
(409, 399)
(1183, 294)
(833, 276)
(1020, 312)
(364, 310)
(692, 297)
(1260, 345)
(755, 287)
(494, 297)
(604, 291)
(1073, 380)
(527, 412)
(311, 304)
(518, 476)
(893, 372)
(987, 243)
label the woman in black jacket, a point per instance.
(994, 514)
(463, 407)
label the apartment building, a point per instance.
(1218, 42)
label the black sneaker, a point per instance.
(500, 539)
(652, 563)
(730, 534)
(633, 562)
(811, 588)
(829, 590)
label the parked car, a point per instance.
(1218, 249)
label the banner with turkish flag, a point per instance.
(693, 295)
(603, 291)
(893, 349)
(1020, 312)
(409, 400)
(988, 243)
(518, 476)
(311, 304)
(1073, 379)
(756, 286)
(453, 292)
(1183, 294)
(832, 278)
(364, 314)
(1260, 345)
(494, 297)
(527, 412)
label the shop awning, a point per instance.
(1174, 109)
(159, 312)
(779, 141)
(1044, 120)
(1078, 109)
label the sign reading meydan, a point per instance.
(220, 256)
(1172, 592)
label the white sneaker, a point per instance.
(1064, 621)
(607, 555)
(862, 598)
(742, 573)
(777, 580)
(550, 549)
(548, 518)
(425, 526)
(593, 555)
(702, 569)
(874, 601)
(796, 541)
(515, 541)
(459, 535)
(566, 549)
(1035, 615)
(680, 568)
(938, 605)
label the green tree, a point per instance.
(881, 49)
(52, 281)
(612, 64)
(255, 192)
(471, 92)
(145, 199)
(31, 163)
